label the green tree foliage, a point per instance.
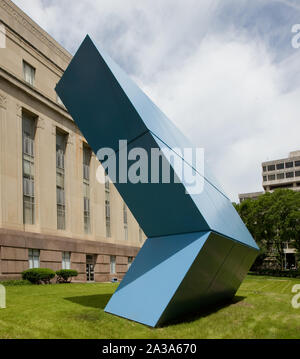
(273, 220)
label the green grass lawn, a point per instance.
(261, 309)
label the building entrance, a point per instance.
(90, 267)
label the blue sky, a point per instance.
(224, 71)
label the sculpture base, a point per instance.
(178, 274)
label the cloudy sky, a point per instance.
(224, 71)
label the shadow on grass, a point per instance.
(205, 312)
(98, 301)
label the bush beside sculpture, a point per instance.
(44, 275)
(14, 282)
(38, 275)
(66, 275)
(292, 273)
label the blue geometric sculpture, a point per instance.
(198, 249)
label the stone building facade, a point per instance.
(53, 211)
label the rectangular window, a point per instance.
(107, 208)
(264, 169)
(280, 176)
(34, 258)
(140, 235)
(61, 217)
(86, 215)
(28, 187)
(289, 164)
(60, 180)
(297, 174)
(60, 195)
(280, 166)
(86, 205)
(289, 175)
(125, 214)
(28, 133)
(66, 260)
(125, 232)
(86, 160)
(264, 178)
(297, 163)
(28, 73)
(112, 264)
(108, 230)
(107, 183)
(271, 168)
(86, 188)
(271, 177)
(130, 260)
(125, 222)
(60, 159)
(86, 172)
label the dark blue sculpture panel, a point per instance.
(198, 249)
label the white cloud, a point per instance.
(228, 98)
(222, 87)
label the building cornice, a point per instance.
(23, 239)
(25, 21)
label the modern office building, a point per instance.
(283, 173)
(250, 195)
(53, 211)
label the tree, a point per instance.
(273, 220)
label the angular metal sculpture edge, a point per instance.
(198, 249)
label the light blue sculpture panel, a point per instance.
(186, 273)
(198, 249)
(157, 263)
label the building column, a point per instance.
(11, 164)
(2, 118)
(40, 127)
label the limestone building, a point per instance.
(53, 212)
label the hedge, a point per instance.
(13, 282)
(292, 273)
(64, 275)
(38, 275)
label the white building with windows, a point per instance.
(282, 173)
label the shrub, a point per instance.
(292, 273)
(38, 275)
(64, 275)
(9, 283)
